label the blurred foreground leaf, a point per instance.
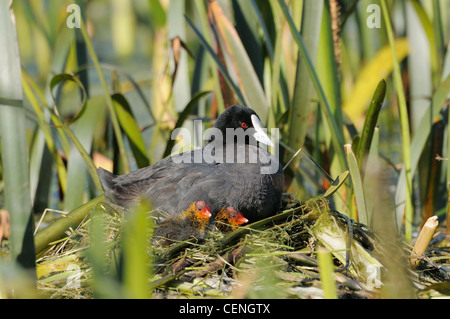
(14, 151)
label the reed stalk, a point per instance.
(327, 273)
(404, 124)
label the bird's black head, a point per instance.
(236, 116)
(242, 117)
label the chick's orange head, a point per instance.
(202, 210)
(235, 218)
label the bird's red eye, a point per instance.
(244, 125)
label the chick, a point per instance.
(228, 219)
(192, 222)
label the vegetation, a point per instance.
(360, 86)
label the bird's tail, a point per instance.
(107, 181)
(114, 191)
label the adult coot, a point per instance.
(231, 170)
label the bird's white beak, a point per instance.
(260, 135)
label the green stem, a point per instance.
(45, 127)
(57, 229)
(370, 124)
(404, 122)
(327, 273)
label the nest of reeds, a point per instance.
(271, 258)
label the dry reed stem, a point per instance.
(425, 236)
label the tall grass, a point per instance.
(111, 93)
(14, 155)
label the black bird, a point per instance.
(231, 170)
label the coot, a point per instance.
(231, 170)
(228, 219)
(193, 222)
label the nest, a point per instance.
(271, 258)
